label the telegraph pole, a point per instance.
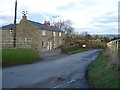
(14, 31)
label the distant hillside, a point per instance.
(108, 35)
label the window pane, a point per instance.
(60, 34)
(53, 33)
(43, 44)
(43, 32)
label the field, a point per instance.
(18, 56)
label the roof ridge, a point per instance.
(38, 24)
(34, 21)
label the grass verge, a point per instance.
(100, 75)
(77, 50)
(0, 57)
(18, 56)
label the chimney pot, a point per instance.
(47, 23)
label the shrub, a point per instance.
(69, 48)
(77, 45)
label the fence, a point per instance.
(20, 43)
(24, 43)
(7, 43)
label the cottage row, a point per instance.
(30, 34)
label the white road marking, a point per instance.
(57, 86)
(71, 81)
(68, 82)
(82, 76)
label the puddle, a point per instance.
(60, 79)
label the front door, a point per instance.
(49, 45)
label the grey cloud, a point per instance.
(68, 7)
(105, 19)
(104, 23)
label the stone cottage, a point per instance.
(35, 35)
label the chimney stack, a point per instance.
(24, 15)
(47, 23)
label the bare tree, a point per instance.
(86, 36)
(84, 33)
(65, 26)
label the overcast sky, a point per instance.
(93, 16)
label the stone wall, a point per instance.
(112, 50)
(27, 32)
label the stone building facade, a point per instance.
(30, 34)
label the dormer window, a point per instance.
(43, 32)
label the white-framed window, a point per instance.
(59, 34)
(54, 33)
(43, 32)
(54, 46)
(10, 31)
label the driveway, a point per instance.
(52, 55)
(66, 72)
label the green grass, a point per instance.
(0, 57)
(18, 56)
(99, 43)
(77, 51)
(101, 75)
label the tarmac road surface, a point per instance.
(65, 72)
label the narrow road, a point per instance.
(66, 72)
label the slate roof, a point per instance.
(8, 27)
(42, 26)
(39, 25)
